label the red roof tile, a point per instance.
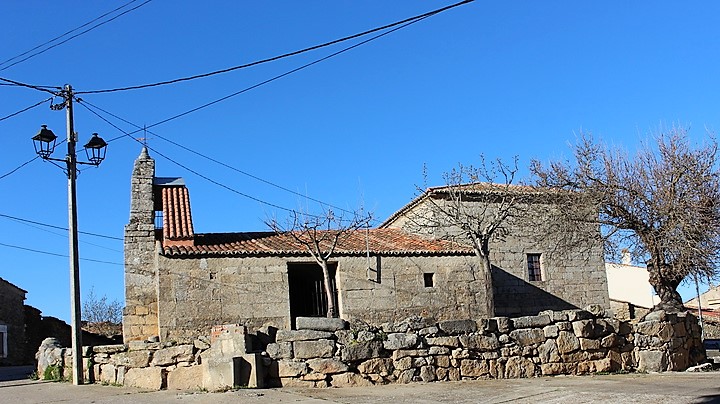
(380, 241)
(177, 218)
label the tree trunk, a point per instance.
(487, 278)
(665, 283)
(331, 311)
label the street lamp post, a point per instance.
(44, 143)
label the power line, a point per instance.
(72, 37)
(222, 163)
(19, 167)
(25, 109)
(65, 235)
(404, 22)
(297, 69)
(34, 87)
(56, 254)
(126, 134)
(58, 227)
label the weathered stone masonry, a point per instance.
(332, 352)
(179, 284)
(140, 313)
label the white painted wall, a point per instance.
(629, 283)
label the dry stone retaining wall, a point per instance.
(331, 352)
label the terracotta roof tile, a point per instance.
(177, 218)
(380, 241)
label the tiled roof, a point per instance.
(380, 241)
(177, 218)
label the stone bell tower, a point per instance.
(140, 316)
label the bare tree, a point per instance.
(663, 204)
(476, 206)
(321, 236)
(96, 309)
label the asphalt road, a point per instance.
(630, 388)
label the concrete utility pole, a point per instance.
(75, 313)
(44, 143)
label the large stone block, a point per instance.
(381, 366)
(548, 352)
(292, 368)
(531, 321)
(133, 359)
(652, 361)
(173, 355)
(362, 351)
(185, 378)
(151, 378)
(450, 341)
(301, 335)
(349, 379)
(458, 326)
(322, 348)
(528, 336)
(108, 374)
(480, 342)
(400, 341)
(518, 367)
(584, 328)
(474, 368)
(567, 342)
(327, 366)
(320, 323)
(280, 350)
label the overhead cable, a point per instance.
(404, 22)
(19, 167)
(72, 37)
(25, 109)
(126, 134)
(56, 254)
(220, 162)
(254, 86)
(34, 87)
(58, 227)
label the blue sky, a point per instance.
(501, 78)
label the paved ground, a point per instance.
(635, 388)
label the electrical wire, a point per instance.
(125, 134)
(74, 36)
(34, 87)
(220, 162)
(268, 80)
(57, 255)
(25, 109)
(404, 22)
(65, 235)
(19, 167)
(58, 227)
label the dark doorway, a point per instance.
(307, 293)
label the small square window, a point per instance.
(429, 279)
(534, 269)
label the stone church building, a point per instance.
(179, 284)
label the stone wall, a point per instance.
(573, 273)
(333, 352)
(195, 294)
(553, 343)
